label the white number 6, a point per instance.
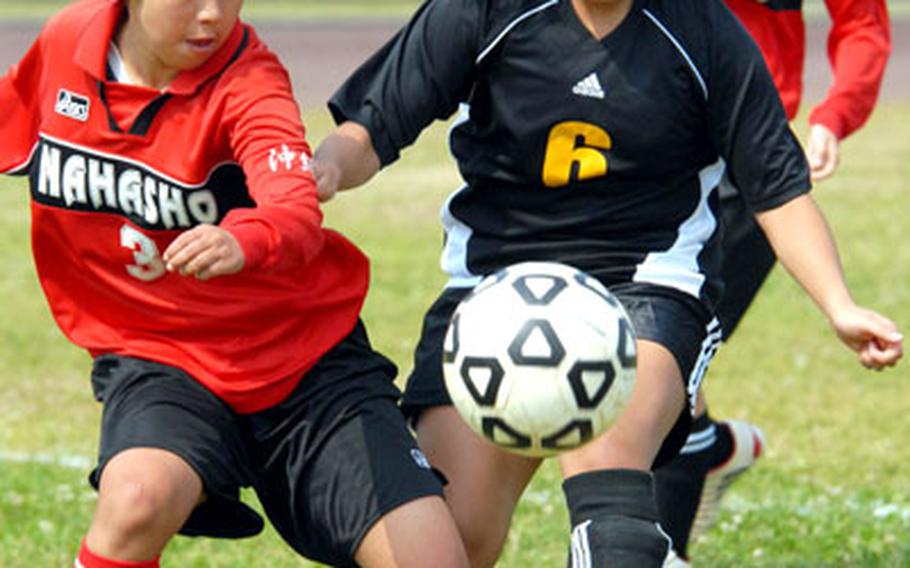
(149, 265)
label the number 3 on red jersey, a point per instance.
(148, 265)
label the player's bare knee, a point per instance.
(145, 494)
(484, 557)
(417, 534)
(134, 508)
(483, 542)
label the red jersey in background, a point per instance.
(859, 44)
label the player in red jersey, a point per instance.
(178, 239)
(691, 486)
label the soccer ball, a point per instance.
(539, 358)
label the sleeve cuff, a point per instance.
(830, 120)
(781, 198)
(253, 241)
(382, 143)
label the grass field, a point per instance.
(832, 491)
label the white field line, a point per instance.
(66, 461)
(734, 505)
(821, 504)
(833, 501)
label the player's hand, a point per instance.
(874, 337)
(204, 252)
(328, 178)
(822, 152)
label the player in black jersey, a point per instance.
(592, 133)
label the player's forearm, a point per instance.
(805, 246)
(852, 98)
(350, 153)
(858, 48)
(276, 237)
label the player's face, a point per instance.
(182, 34)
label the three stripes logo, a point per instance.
(580, 552)
(589, 87)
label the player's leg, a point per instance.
(484, 482)
(410, 535)
(681, 483)
(340, 475)
(608, 485)
(748, 260)
(145, 496)
(161, 450)
(633, 441)
(738, 445)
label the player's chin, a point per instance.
(189, 58)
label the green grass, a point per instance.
(831, 492)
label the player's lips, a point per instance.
(201, 44)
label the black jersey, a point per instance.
(603, 154)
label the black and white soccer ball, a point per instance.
(539, 358)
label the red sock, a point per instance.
(88, 559)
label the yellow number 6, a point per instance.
(575, 144)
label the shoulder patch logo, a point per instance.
(589, 87)
(72, 105)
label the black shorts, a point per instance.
(666, 316)
(326, 463)
(748, 258)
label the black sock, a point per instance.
(723, 445)
(614, 520)
(679, 482)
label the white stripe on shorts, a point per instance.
(709, 346)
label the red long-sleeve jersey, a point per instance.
(118, 171)
(859, 44)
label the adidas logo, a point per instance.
(589, 87)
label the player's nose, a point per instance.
(210, 11)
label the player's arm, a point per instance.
(803, 243)
(20, 119)
(768, 166)
(420, 75)
(204, 252)
(268, 140)
(345, 159)
(859, 44)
